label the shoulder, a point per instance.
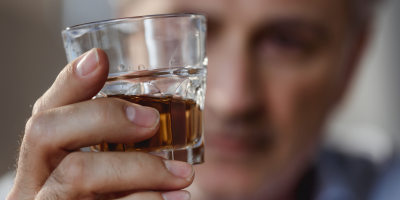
(387, 186)
(352, 167)
(344, 177)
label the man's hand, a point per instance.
(64, 119)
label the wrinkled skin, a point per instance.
(276, 70)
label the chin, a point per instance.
(223, 182)
(249, 174)
(231, 167)
(226, 175)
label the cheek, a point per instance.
(298, 100)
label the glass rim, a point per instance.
(135, 18)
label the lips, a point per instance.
(227, 143)
(237, 144)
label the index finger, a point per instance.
(80, 80)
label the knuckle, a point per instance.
(71, 170)
(69, 112)
(142, 162)
(115, 168)
(35, 128)
(48, 194)
(103, 110)
(149, 164)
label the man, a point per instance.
(276, 69)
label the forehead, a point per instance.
(249, 12)
(252, 10)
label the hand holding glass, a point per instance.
(157, 61)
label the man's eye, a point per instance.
(286, 45)
(288, 40)
(285, 41)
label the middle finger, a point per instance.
(89, 174)
(50, 135)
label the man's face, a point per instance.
(276, 67)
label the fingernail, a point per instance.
(142, 116)
(180, 169)
(88, 63)
(176, 195)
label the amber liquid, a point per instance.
(180, 125)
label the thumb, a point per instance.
(80, 80)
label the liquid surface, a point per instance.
(180, 125)
(178, 95)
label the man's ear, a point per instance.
(356, 52)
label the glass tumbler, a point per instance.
(157, 61)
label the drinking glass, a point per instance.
(158, 61)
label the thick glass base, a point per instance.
(193, 156)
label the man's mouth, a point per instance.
(236, 145)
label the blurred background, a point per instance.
(32, 54)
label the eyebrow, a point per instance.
(292, 24)
(283, 24)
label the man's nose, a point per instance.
(231, 87)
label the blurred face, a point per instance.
(276, 67)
